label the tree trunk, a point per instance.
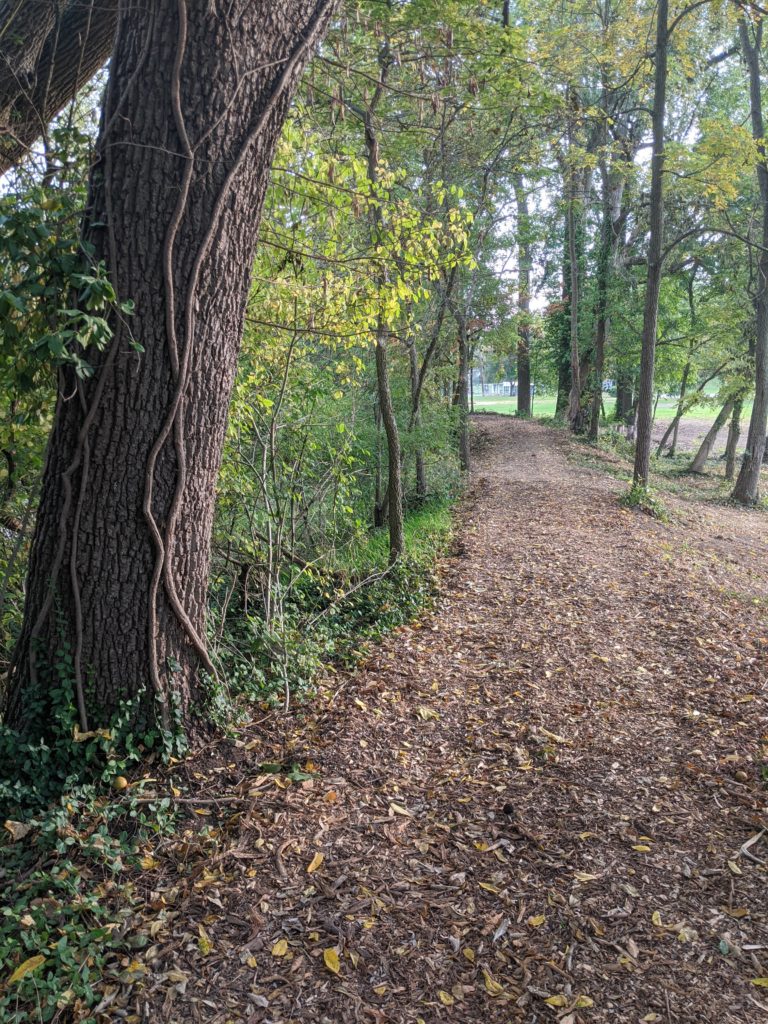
(415, 420)
(700, 459)
(672, 429)
(462, 392)
(574, 397)
(601, 320)
(48, 50)
(119, 564)
(525, 259)
(653, 285)
(747, 488)
(624, 403)
(734, 433)
(394, 492)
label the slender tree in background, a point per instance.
(747, 487)
(393, 499)
(525, 261)
(196, 100)
(48, 50)
(655, 244)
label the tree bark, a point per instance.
(734, 433)
(574, 397)
(624, 402)
(601, 317)
(700, 459)
(415, 420)
(525, 259)
(119, 564)
(462, 392)
(48, 50)
(653, 284)
(394, 493)
(672, 429)
(747, 488)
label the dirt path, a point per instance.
(530, 806)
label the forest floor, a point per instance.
(541, 803)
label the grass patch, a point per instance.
(644, 500)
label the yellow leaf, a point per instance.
(583, 1003)
(762, 982)
(537, 921)
(584, 876)
(558, 1000)
(656, 918)
(280, 948)
(489, 888)
(315, 863)
(445, 998)
(26, 968)
(16, 829)
(399, 809)
(148, 862)
(734, 868)
(252, 961)
(331, 960)
(469, 954)
(204, 942)
(380, 989)
(427, 714)
(492, 986)
(642, 848)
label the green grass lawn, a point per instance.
(544, 405)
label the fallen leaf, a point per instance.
(445, 998)
(31, 965)
(427, 714)
(331, 960)
(584, 876)
(204, 942)
(16, 829)
(492, 986)
(280, 948)
(761, 982)
(315, 863)
(537, 921)
(399, 809)
(558, 1000)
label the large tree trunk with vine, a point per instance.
(48, 50)
(118, 574)
(645, 401)
(747, 488)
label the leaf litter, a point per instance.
(542, 802)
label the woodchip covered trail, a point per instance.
(541, 803)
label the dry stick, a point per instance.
(183, 374)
